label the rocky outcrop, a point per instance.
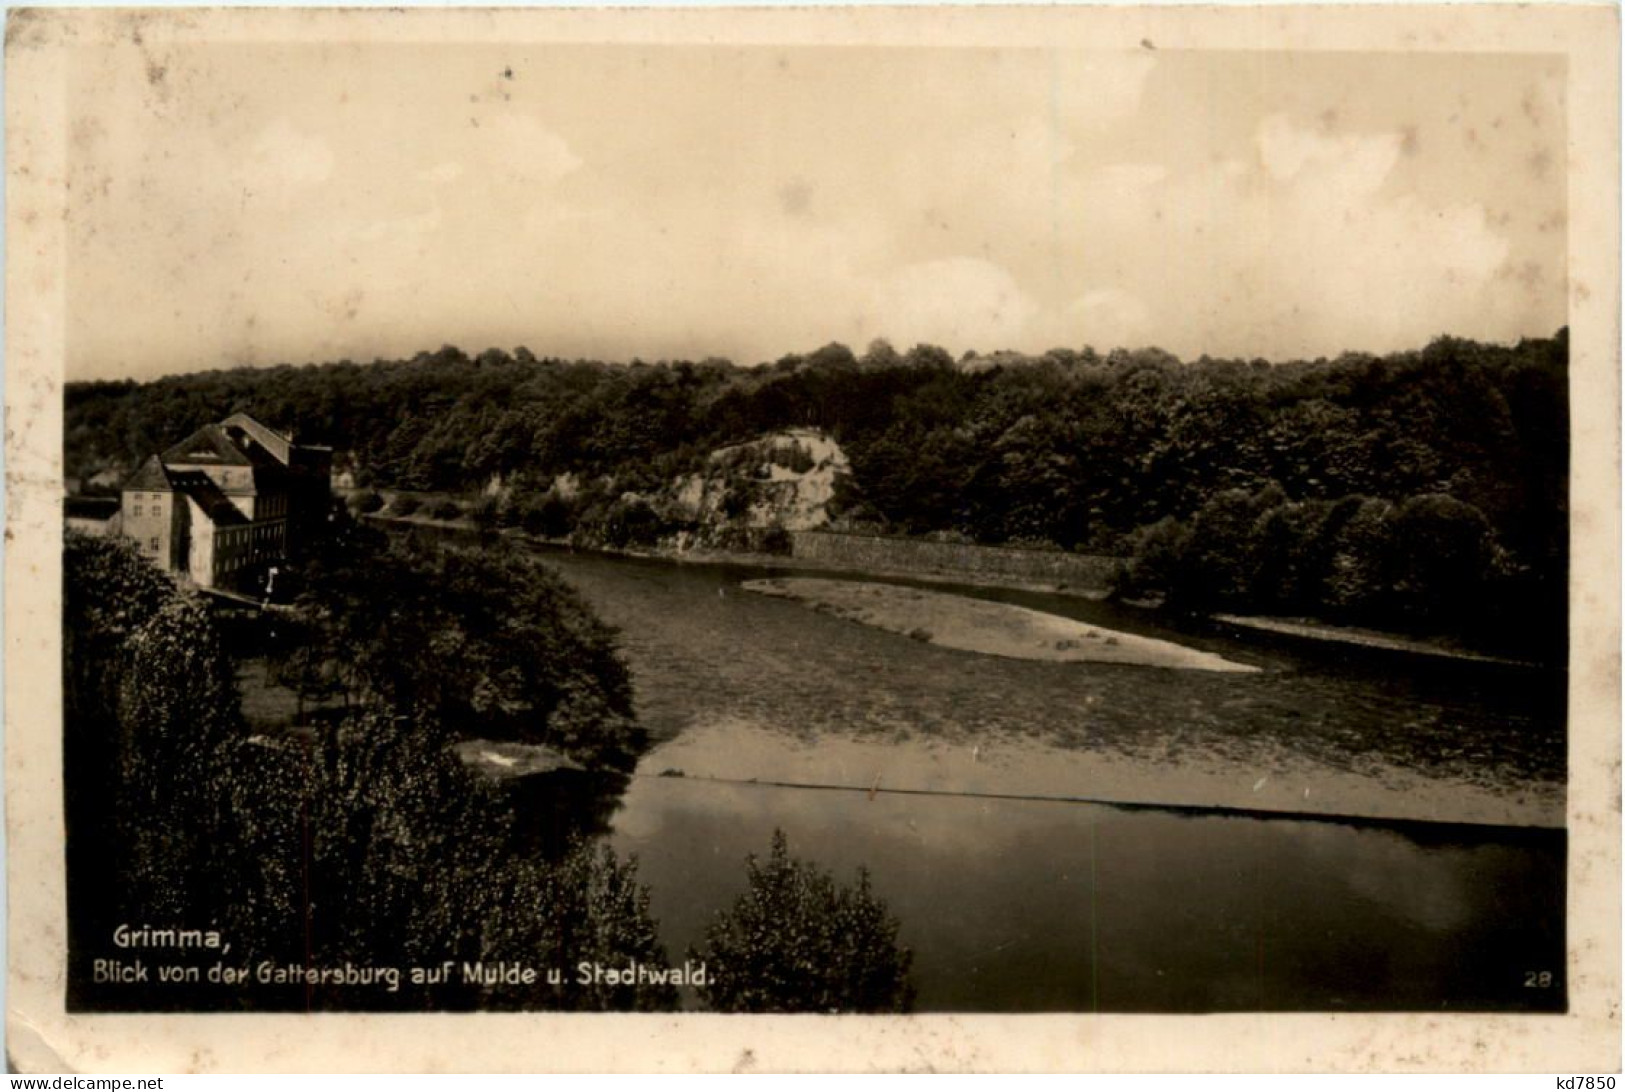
(784, 480)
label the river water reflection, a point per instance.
(1013, 906)
(1043, 904)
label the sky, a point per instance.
(242, 203)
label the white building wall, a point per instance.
(200, 552)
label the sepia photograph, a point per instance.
(863, 520)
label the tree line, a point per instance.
(1117, 454)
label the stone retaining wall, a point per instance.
(878, 553)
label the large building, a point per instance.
(226, 503)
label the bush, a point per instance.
(369, 502)
(1292, 548)
(775, 540)
(1219, 566)
(484, 642)
(737, 501)
(796, 941)
(405, 505)
(1156, 553)
(486, 513)
(794, 457)
(418, 845)
(1443, 557)
(1353, 585)
(546, 515)
(447, 510)
(630, 522)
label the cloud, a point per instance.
(1360, 162)
(1110, 317)
(1351, 262)
(961, 303)
(981, 199)
(1308, 250)
(503, 162)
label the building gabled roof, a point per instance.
(152, 476)
(201, 489)
(256, 433)
(208, 446)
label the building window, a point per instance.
(138, 509)
(153, 545)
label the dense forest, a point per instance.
(1423, 490)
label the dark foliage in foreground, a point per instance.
(487, 642)
(150, 717)
(368, 842)
(797, 941)
(365, 841)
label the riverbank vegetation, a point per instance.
(799, 941)
(363, 841)
(1423, 491)
(1430, 564)
(485, 642)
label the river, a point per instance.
(993, 802)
